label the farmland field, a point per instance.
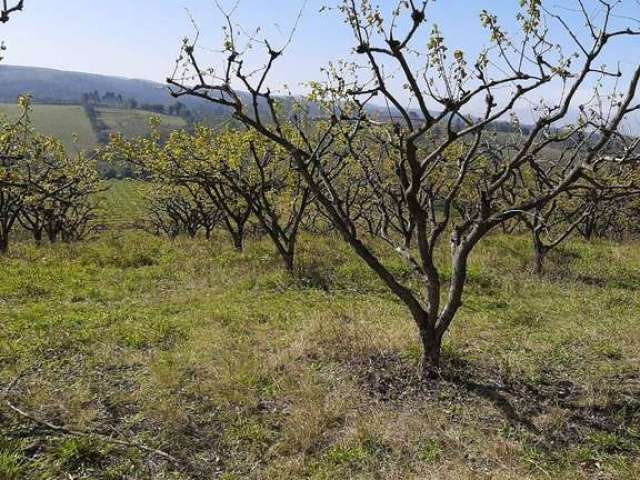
(136, 122)
(60, 121)
(66, 121)
(123, 202)
(236, 370)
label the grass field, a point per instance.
(238, 371)
(123, 203)
(136, 122)
(65, 121)
(60, 121)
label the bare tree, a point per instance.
(172, 214)
(612, 217)
(6, 9)
(62, 193)
(9, 7)
(200, 159)
(175, 210)
(40, 186)
(14, 142)
(552, 224)
(189, 191)
(277, 194)
(449, 174)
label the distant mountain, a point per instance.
(46, 85)
(57, 86)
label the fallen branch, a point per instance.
(101, 436)
(79, 433)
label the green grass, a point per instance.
(134, 123)
(238, 371)
(68, 121)
(60, 121)
(124, 202)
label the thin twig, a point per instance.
(103, 437)
(74, 432)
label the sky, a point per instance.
(141, 38)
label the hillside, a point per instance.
(60, 121)
(136, 122)
(66, 122)
(56, 86)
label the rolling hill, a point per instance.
(56, 86)
(60, 121)
(134, 123)
(70, 122)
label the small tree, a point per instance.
(449, 172)
(551, 224)
(187, 160)
(260, 172)
(174, 210)
(62, 196)
(199, 158)
(15, 139)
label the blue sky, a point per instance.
(141, 38)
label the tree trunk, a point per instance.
(37, 236)
(52, 234)
(588, 231)
(4, 243)
(538, 259)
(288, 262)
(539, 252)
(238, 240)
(431, 349)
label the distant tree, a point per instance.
(62, 197)
(611, 218)
(153, 107)
(198, 159)
(449, 172)
(40, 186)
(259, 172)
(179, 206)
(14, 142)
(552, 223)
(175, 210)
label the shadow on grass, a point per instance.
(605, 420)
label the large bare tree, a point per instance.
(433, 133)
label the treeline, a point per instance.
(112, 99)
(229, 179)
(94, 100)
(44, 190)
(241, 182)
